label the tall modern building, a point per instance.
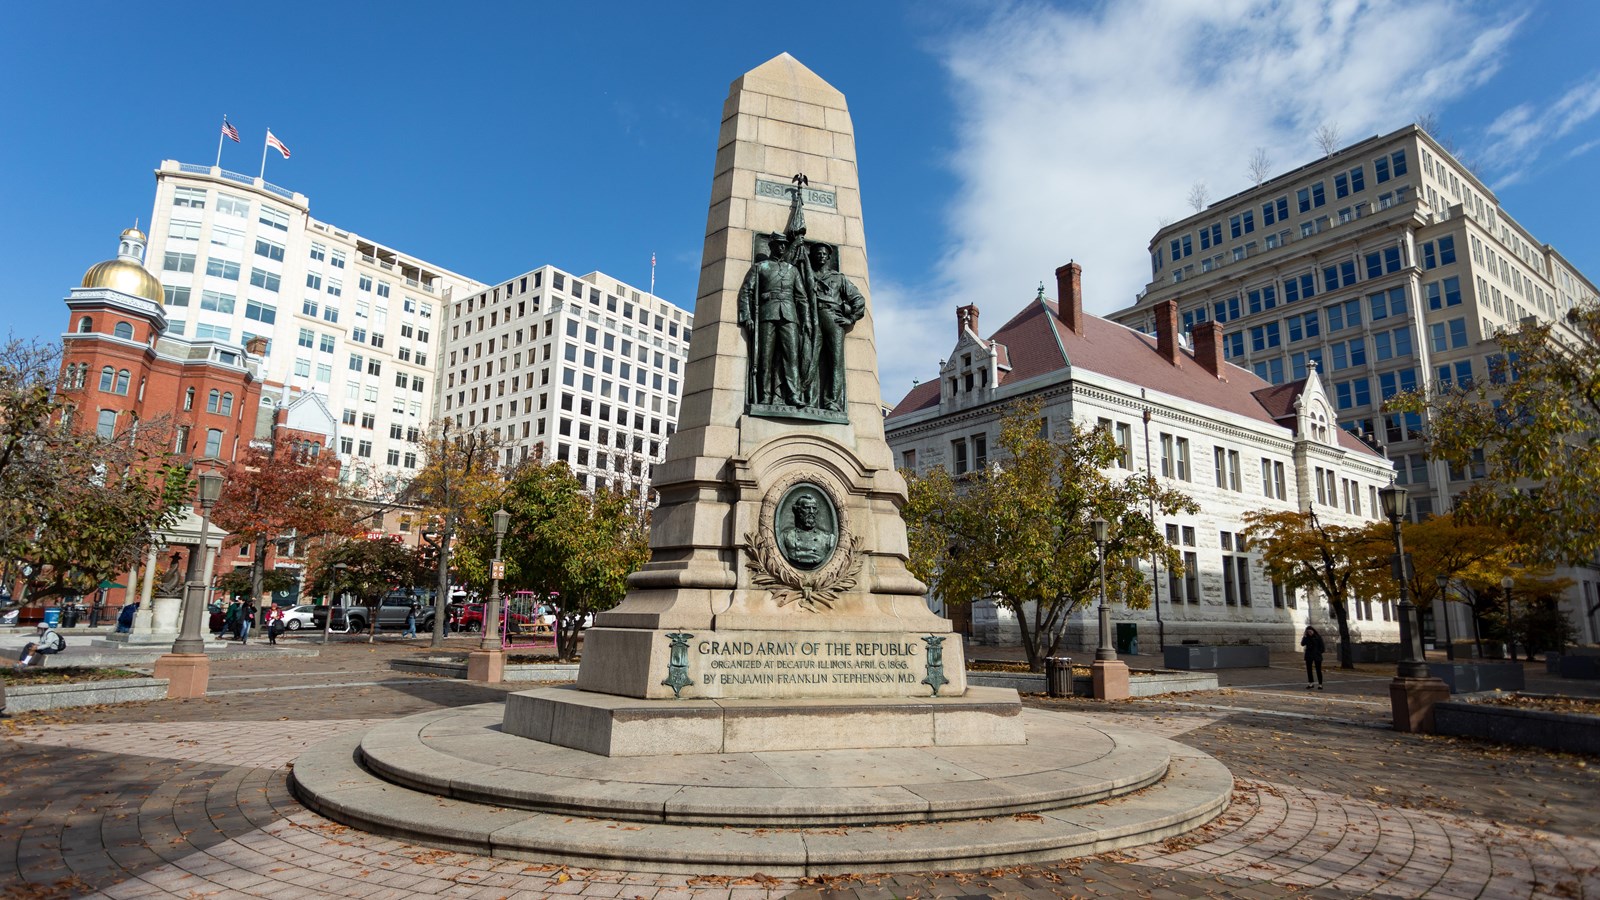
(587, 366)
(1390, 266)
(345, 317)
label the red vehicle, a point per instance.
(469, 617)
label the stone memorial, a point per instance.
(778, 552)
(774, 672)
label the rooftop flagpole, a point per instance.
(264, 156)
(220, 135)
(652, 273)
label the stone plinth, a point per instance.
(156, 623)
(1411, 700)
(187, 674)
(488, 666)
(769, 664)
(623, 726)
(1109, 678)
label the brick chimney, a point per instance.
(1069, 295)
(1167, 331)
(967, 320)
(1207, 337)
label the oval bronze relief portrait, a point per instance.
(807, 527)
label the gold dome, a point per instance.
(124, 276)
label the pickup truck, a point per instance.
(391, 612)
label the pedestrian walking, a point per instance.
(245, 615)
(1314, 647)
(274, 625)
(411, 622)
(230, 619)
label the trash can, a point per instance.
(1128, 638)
(1058, 676)
(69, 617)
(52, 616)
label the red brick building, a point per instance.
(119, 368)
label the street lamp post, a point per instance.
(338, 582)
(491, 619)
(1444, 611)
(1106, 650)
(1413, 664)
(1511, 636)
(194, 596)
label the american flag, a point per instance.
(231, 132)
(273, 142)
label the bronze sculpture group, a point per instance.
(795, 308)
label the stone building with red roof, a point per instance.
(1231, 440)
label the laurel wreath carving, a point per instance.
(811, 591)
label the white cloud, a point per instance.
(1518, 136)
(1079, 131)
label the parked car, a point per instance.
(298, 617)
(392, 611)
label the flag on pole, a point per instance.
(274, 143)
(229, 131)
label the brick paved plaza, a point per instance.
(190, 799)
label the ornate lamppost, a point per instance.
(194, 596)
(1413, 664)
(492, 616)
(488, 662)
(1106, 650)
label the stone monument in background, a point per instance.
(778, 554)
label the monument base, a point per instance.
(1109, 678)
(695, 664)
(488, 666)
(187, 674)
(609, 725)
(1411, 700)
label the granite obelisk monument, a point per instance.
(778, 550)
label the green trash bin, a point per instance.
(1128, 638)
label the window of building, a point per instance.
(177, 262)
(958, 456)
(213, 443)
(1227, 469)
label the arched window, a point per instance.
(106, 427)
(108, 377)
(227, 404)
(214, 443)
(122, 330)
(188, 399)
(67, 414)
(122, 381)
(85, 325)
(212, 399)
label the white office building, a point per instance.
(587, 366)
(1389, 266)
(353, 320)
(1180, 414)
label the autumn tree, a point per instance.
(1533, 429)
(368, 569)
(1469, 556)
(1302, 550)
(272, 493)
(1020, 532)
(458, 486)
(76, 505)
(562, 540)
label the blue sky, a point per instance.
(996, 141)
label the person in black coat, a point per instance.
(1314, 647)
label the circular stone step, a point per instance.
(1195, 788)
(462, 754)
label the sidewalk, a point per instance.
(189, 798)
